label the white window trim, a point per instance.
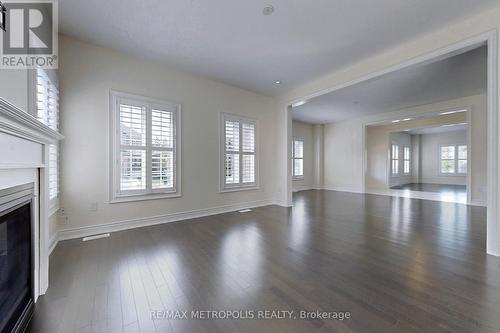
(456, 173)
(409, 160)
(398, 173)
(114, 147)
(297, 177)
(223, 187)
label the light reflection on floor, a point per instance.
(444, 196)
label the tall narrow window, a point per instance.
(453, 159)
(47, 111)
(145, 147)
(239, 136)
(447, 163)
(462, 159)
(395, 159)
(298, 158)
(406, 160)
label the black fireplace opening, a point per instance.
(16, 285)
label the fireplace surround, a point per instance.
(24, 151)
(16, 257)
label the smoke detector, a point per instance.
(268, 10)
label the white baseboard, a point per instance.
(153, 220)
(477, 203)
(343, 189)
(282, 204)
(448, 180)
(54, 239)
(303, 188)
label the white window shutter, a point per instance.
(145, 147)
(248, 150)
(163, 149)
(298, 158)
(133, 147)
(47, 112)
(239, 142)
(53, 171)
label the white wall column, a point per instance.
(319, 139)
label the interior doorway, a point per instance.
(346, 138)
(428, 157)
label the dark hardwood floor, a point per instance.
(395, 264)
(436, 188)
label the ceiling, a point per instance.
(232, 41)
(439, 129)
(458, 76)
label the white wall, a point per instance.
(319, 154)
(87, 73)
(14, 87)
(415, 159)
(378, 169)
(429, 157)
(343, 153)
(344, 145)
(306, 132)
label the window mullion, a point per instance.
(240, 155)
(132, 147)
(117, 148)
(157, 148)
(174, 150)
(149, 154)
(293, 158)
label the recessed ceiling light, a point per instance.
(277, 82)
(451, 112)
(395, 121)
(268, 10)
(406, 119)
(449, 125)
(299, 103)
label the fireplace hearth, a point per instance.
(16, 258)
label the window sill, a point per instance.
(237, 189)
(143, 197)
(298, 178)
(452, 175)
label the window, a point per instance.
(145, 149)
(406, 160)
(395, 159)
(298, 158)
(462, 159)
(239, 152)
(453, 159)
(46, 101)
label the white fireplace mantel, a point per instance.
(20, 123)
(24, 148)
